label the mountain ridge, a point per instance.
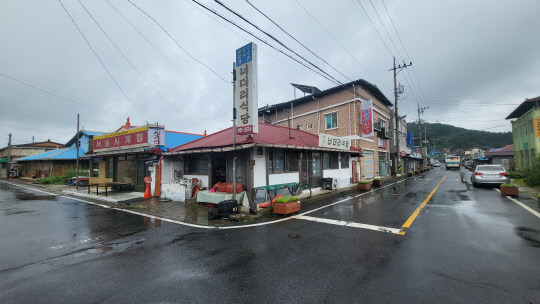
(443, 136)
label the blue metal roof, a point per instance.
(59, 154)
(175, 139)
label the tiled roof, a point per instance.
(507, 150)
(268, 135)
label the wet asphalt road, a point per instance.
(468, 245)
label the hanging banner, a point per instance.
(367, 118)
(246, 102)
(537, 126)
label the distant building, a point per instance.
(526, 133)
(502, 156)
(58, 161)
(9, 155)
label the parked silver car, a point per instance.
(489, 174)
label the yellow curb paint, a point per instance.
(413, 216)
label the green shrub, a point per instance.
(287, 199)
(517, 174)
(56, 180)
(532, 177)
(364, 182)
(73, 173)
(508, 185)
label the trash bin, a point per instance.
(228, 207)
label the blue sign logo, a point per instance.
(410, 140)
(244, 54)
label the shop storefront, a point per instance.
(131, 154)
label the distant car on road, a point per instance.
(489, 175)
(436, 164)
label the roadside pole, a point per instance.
(234, 132)
(77, 163)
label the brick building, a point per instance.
(338, 112)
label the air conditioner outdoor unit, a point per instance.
(335, 183)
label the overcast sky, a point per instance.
(170, 61)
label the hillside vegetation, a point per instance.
(447, 136)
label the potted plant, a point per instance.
(377, 182)
(509, 189)
(287, 205)
(410, 173)
(364, 185)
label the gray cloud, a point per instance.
(474, 62)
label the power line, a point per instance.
(100, 61)
(260, 39)
(176, 42)
(346, 50)
(279, 42)
(260, 47)
(132, 65)
(163, 56)
(283, 30)
(56, 95)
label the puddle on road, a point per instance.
(530, 235)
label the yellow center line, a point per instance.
(413, 216)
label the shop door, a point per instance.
(315, 169)
(219, 169)
(142, 172)
(383, 164)
(368, 165)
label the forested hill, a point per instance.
(447, 136)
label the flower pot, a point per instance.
(287, 208)
(364, 186)
(511, 191)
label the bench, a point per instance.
(292, 187)
(107, 185)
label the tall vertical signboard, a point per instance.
(367, 118)
(246, 89)
(410, 140)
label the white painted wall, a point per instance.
(283, 178)
(168, 166)
(259, 170)
(174, 192)
(343, 175)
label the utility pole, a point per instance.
(397, 122)
(234, 132)
(77, 163)
(8, 169)
(421, 110)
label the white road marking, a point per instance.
(29, 188)
(299, 216)
(531, 210)
(349, 224)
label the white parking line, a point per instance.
(531, 210)
(349, 224)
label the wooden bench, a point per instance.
(292, 187)
(107, 185)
